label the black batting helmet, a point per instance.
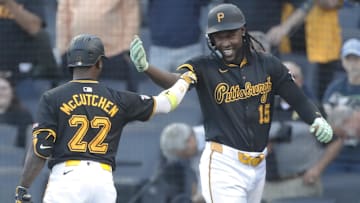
(84, 51)
(225, 17)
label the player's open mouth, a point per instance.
(228, 52)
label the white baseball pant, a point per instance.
(225, 179)
(83, 182)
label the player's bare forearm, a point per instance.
(162, 78)
(294, 20)
(329, 154)
(32, 167)
(28, 21)
(332, 150)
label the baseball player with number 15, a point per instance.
(79, 125)
(236, 88)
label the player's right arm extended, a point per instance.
(169, 99)
(162, 78)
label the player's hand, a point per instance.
(322, 130)
(312, 175)
(138, 55)
(22, 195)
(189, 77)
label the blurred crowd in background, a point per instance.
(321, 48)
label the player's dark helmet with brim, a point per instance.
(225, 17)
(84, 51)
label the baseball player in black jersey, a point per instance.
(236, 88)
(78, 128)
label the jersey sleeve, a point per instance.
(285, 86)
(46, 116)
(279, 73)
(293, 95)
(136, 107)
(45, 126)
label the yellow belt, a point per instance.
(106, 167)
(242, 157)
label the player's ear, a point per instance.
(210, 41)
(99, 64)
(243, 31)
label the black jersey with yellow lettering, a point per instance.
(236, 100)
(88, 118)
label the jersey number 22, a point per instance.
(96, 145)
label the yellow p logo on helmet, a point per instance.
(220, 16)
(217, 22)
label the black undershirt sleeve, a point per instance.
(297, 99)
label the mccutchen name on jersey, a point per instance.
(89, 100)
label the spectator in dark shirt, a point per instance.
(24, 45)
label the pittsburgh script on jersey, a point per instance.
(226, 93)
(89, 100)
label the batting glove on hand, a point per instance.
(138, 55)
(22, 195)
(322, 130)
(189, 77)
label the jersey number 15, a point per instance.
(264, 113)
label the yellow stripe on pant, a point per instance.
(104, 166)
